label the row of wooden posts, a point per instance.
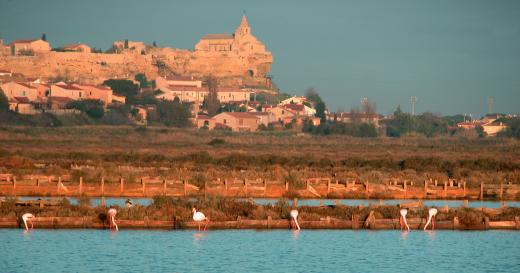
(186, 185)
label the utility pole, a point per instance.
(364, 103)
(413, 100)
(490, 105)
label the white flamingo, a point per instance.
(28, 217)
(402, 219)
(199, 217)
(294, 218)
(431, 218)
(112, 218)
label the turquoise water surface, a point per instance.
(120, 201)
(258, 251)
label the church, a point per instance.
(242, 42)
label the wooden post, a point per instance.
(481, 190)
(501, 194)
(59, 184)
(102, 186)
(466, 203)
(355, 221)
(121, 185)
(186, 187)
(367, 190)
(14, 185)
(81, 185)
(245, 185)
(265, 187)
(445, 188)
(269, 219)
(164, 186)
(486, 222)
(328, 186)
(286, 186)
(307, 184)
(455, 222)
(37, 182)
(425, 187)
(464, 188)
(144, 186)
(435, 182)
(226, 185)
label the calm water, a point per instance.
(255, 251)
(312, 202)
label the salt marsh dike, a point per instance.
(175, 214)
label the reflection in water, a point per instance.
(404, 234)
(431, 234)
(113, 234)
(295, 234)
(197, 238)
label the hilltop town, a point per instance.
(223, 83)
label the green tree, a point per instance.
(4, 102)
(141, 78)
(124, 88)
(44, 37)
(126, 43)
(312, 95)
(174, 113)
(93, 108)
(211, 102)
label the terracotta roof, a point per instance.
(241, 115)
(295, 107)
(187, 88)
(22, 99)
(60, 99)
(92, 85)
(68, 87)
(259, 113)
(26, 85)
(23, 41)
(217, 37)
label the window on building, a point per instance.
(224, 121)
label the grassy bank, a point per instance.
(198, 155)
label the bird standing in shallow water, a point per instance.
(199, 217)
(112, 218)
(294, 219)
(431, 218)
(28, 217)
(402, 219)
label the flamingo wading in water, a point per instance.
(294, 219)
(431, 218)
(112, 219)
(199, 217)
(402, 219)
(28, 217)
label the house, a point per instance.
(161, 82)
(265, 117)
(97, 92)
(283, 114)
(132, 45)
(492, 129)
(29, 47)
(195, 94)
(57, 102)
(236, 121)
(22, 105)
(68, 91)
(294, 100)
(78, 48)
(20, 89)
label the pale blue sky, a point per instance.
(451, 54)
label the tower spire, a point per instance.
(243, 28)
